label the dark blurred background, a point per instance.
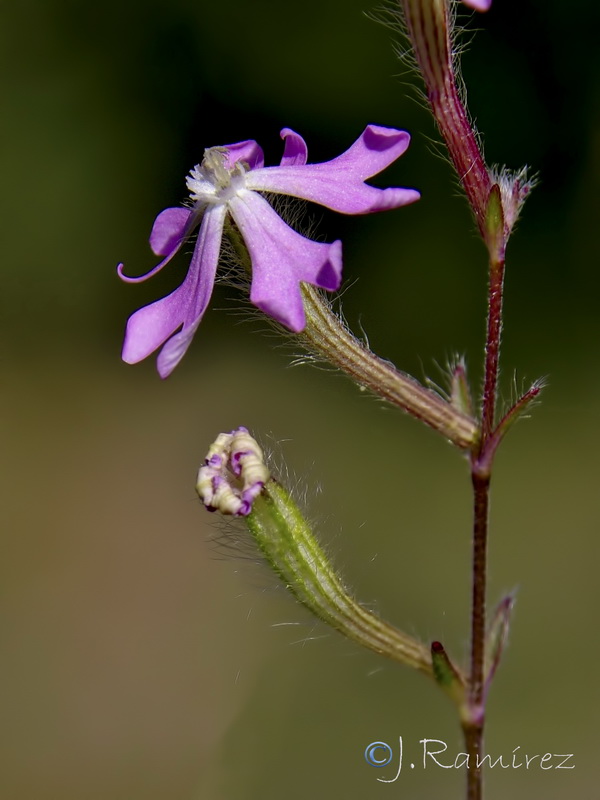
(139, 659)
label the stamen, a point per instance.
(213, 181)
(213, 163)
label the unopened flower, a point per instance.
(235, 480)
(229, 182)
(233, 474)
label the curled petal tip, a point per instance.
(137, 278)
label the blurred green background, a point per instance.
(140, 657)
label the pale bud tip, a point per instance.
(233, 474)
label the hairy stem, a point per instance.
(290, 547)
(473, 726)
(492, 350)
(326, 335)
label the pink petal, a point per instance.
(249, 151)
(339, 184)
(281, 258)
(478, 5)
(374, 150)
(295, 152)
(152, 325)
(170, 230)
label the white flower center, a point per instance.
(212, 181)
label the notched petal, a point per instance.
(374, 150)
(282, 259)
(339, 184)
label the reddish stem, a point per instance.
(451, 117)
(480, 477)
(492, 350)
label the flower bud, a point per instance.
(236, 454)
(235, 480)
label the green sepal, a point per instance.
(495, 238)
(289, 546)
(496, 639)
(460, 391)
(447, 675)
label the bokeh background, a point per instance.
(140, 657)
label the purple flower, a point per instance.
(229, 181)
(478, 5)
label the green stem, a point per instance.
(291, 549)
(326, 334)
